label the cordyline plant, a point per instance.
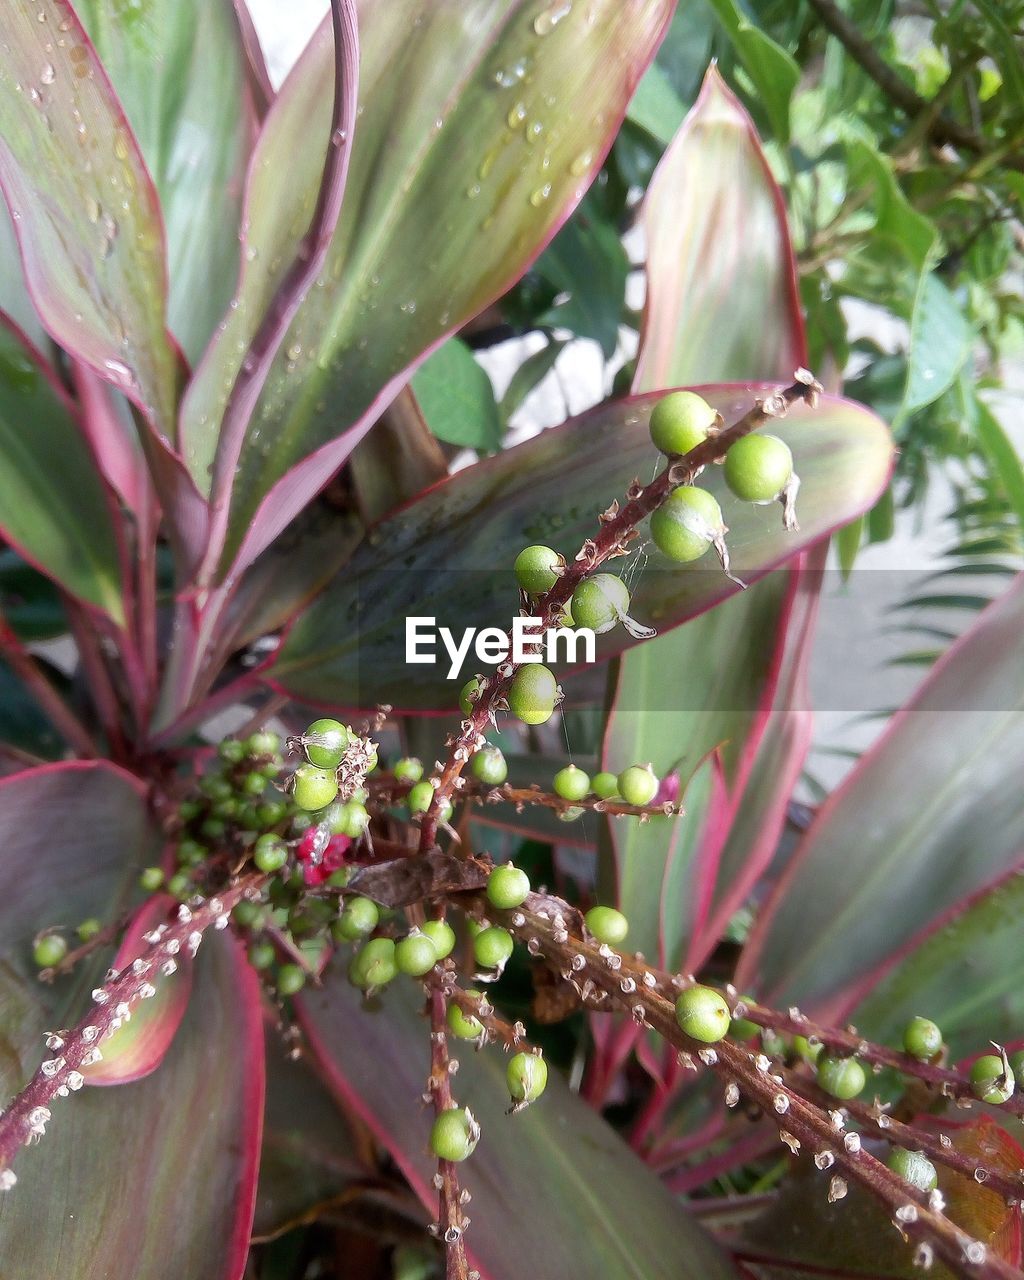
(197, 925)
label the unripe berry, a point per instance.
(638, 784)
(290, 979)
(254, 784)
(213, 829)
(532, 694)
(49, 950)
(703, 1014)
(605, 785)
(313, 788)
(489, 766)
(758, 467)
(415, 954)
(189, 809)
(507, 887)
(680, 421)
(810, 1053)
(686, 524)
(922, 1039)
(600, 602)
(180, 885)
(270, 853)
(408, 769)
(1016, 1059)
(216, 787)
(527, 1077)
(989, 1080)
(607, 925)
(263, 743)
(271, 812)
(262, 955)
(454, 1135)
(247, 914)
(373, 965)
(492, 947)
(464, 1025)
(535, 569)
(420, 797)
(324, 742)
(843, 1078)
(359, 917)
(88, 929)
(571, 783)
(231, 751)
(913, 1167)
(468, 695)
(151, 879)
(742, 1028)
(351, 820)
(442, 935)
(190, 853)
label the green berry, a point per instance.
(913, 1167)
(313, 788)
(532, 694)
(373, 965)
(571, 783)
(270, 853)
(88, 929)
(464, 1025)
(1016, 1059)
(703, 1014)
(468, 696)
(262, 955)
(271, 812)
(680, 421)
(605, 785)
(843, 1078)
(808, 1051)
(263, 743)
(600, 602)
(757, 468)
(290, 979)
(408, 769)
(254, 784)
(226, 809)
(180, 885)
(151, 879)
(216, 787)
(489, 766)
(686, 524)
(420, 798)
(49, 950)
(989, 1080)
(507, 887)
(536, 569)
(454, 1135)
(492, 947)
(231, 751)
(527, 1076)
(415, 954)
(247, 914)
(351, 820)
(922, 1039)
(189, 810)
(359, 917)
(213, 829)
(607, 925)
(190, 853)
(774, 1043)
(442, 935)
(742, 1028)
(638, 784)
(325, 742)
(571, 815)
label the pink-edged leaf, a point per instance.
(929, 816)
(179, 70)
(450, 552)
(54, 507)
(107, 424)
(72, 840)
(121, 1172)
(85, 211)
(963, 972)
(538, 1210)
(453, 190)
(139, 1047)
(722, 297)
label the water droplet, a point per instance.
(507, 77)
(516, 115)
(540, 195)
(252, 253)
(533, 130)
(123, 374)
(120, 145)
(582, 163)
(473, 191)
(47, 75)
(545, 22)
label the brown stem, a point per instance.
(618, 526)
(31, 675)
(451, 1222)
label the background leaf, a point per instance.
(456, 398)
(772, 71)
(940, 341)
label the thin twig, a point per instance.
(452, 1223)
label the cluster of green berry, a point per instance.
(334, 755)
(455, 1132)
(637, 785)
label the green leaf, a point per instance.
(848, 543)
(534, 369)
(656, 106)
(53, 506)
(90, 234)
(29, 601)
(587, 263)
(773, 72)
(453, 548)
(538, 1209)
(438, 219)
(929, 816)
(940, 342)
(457, 399)
(1003, 458)
(896, 219)
(178, 69)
